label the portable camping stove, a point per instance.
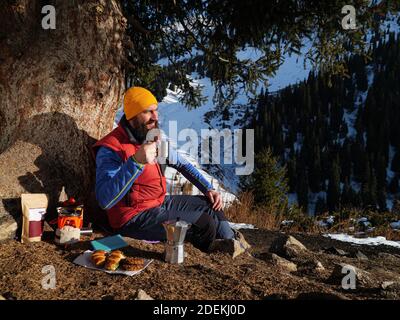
(70, 216)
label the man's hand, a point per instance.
(215, 198)
(147, 153)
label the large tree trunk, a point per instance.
(59, 91)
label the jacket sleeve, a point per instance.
(114, 178)
(189, 171)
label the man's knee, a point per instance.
(204, 232)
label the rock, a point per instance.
(142, 295)
(283, 263)
(336, 251)
(287, 247)
(309, 265)
(8, 226)
(363, 279)
(231, 246)
(390, 290)
(8, 296)
(240, 237)
(319, 267)
(387, 284)
(361, 256)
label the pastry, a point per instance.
(133, 264)
(99, 257)
(113, 260)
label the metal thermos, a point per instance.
(174, 247)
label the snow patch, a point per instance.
(238, 226)
(371, 241)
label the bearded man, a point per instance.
(131, 186)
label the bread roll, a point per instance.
(99, 257)
(113, 260)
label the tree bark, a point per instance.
(59, 92)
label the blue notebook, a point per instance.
(109, 243)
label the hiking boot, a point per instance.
(234, 247)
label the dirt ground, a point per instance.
(212, 276)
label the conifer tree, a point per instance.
(333, 195)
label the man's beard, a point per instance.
(140, 131)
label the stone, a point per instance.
(230, 246)
(288, 247)
(142, 295)
(387, 284)
(8, 296)
(361, 256)
(363, 278)
(318, 266)
(240, 237)
(390, 290)
(8, 227)
(309, 265)
(336, 251)
(283, 263)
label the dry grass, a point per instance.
(387, 232)
(244, 211)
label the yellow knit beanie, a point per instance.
(136, 100)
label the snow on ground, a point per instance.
(238, 226)
(363, 241)
(287, 222)
(326, 223)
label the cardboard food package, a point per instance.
(34, 207)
